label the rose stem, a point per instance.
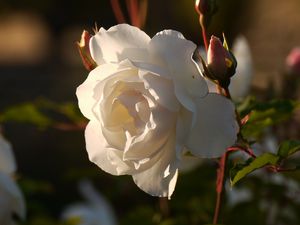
(238, 118)
(117, 11)
(143, 12)
(204, 35)
(248, 151)
(220, 184)
(202, 24)
(164, 206)
(133, 10)
(222, 164)
(220, 176)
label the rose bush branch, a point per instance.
(137, 11)
(205, 9)
(115, 4)
(219, 186)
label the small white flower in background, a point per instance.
(7, 158)
(291, 193)
(269, 143)
(11, 198)
(95, 211)
(237, 195)
(240, 83)
(147, 103)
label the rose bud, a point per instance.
(84, 51)
(293, 61)
(216, 57)
(221, 62)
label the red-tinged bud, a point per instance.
(216, 58)
(293, 61)
(221, 62)
(84, 51)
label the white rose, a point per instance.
(147, 103)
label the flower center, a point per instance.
(130, 110)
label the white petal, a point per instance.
(90, 92)
(11, 199)
(212, 87)
(7, 159)
(118, 43)
(161, 89)
(177, 53)
(98, 149)
(114, 139)
(216, 127)
(155, 67)
(241, 82)
(86, 95)
(153, 138)
(160, 179)
(183, 128)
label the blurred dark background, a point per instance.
(38, 58)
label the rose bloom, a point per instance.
(148, 105)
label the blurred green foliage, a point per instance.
(42, 113)
(265, 114)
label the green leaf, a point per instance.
(259, 162)
(288, 148)
(237, 167)
(25, 113)
(31, 186)
(42, 113)
(246, 105)
(67, 109)
(71, 111)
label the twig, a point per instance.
(220, 184)
(117, 11)
(133, 9)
